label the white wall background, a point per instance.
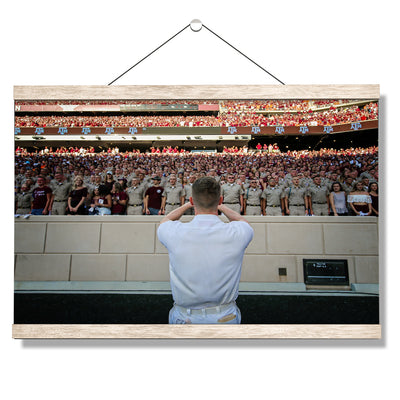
(300, 42)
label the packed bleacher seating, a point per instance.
(346, 166)
(94, 169)
(231, 114)
(106, 102)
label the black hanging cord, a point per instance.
(187, 26)
(244, 55)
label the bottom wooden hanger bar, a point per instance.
(59, 331)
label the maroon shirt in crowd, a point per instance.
(155, 196)
(118, 208)
(40, 197)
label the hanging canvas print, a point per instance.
(99, 169)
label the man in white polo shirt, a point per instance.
(205, 257)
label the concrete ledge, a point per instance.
(148, 267)
(126, 248)
(367, 269)
(29, 237)
(92, 286)
(247, 288)
(50, 267)
(145, 287)
(365, 288)
(127, 238)
(305, 238)
(266, 268)
(350, 239)
(259, 243)
(73, 238)
(96, 267)
(186, 218)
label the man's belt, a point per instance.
(254, 205)
(173, 204)
(317, 202)
(296, 205)
(231, 203)
(271, 205)
(134, 205)
(60, 201)
(206, 310)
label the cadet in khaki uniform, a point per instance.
(125, 175)
(318, 198)
(172, 197)
(213, 174)
(23, 200)
(243, 181)
(306, 180)
(334, 177)
(295, 198)
(59, 199)
(135, 198)
(96, 181)
(324, 179)
(20, 177)
(348, 184)
(188, 193)
(232, 195)
(273, 196)
(144, 181)
(252, 199)
(281, 181)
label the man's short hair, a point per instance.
(206, 193)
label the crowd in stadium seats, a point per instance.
(121, 121)
(331, 116)
(231, 105)
(233, 116)
(80, 181)
(84, 173)
(106, 102)
(278, 105)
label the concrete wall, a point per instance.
(126, 248)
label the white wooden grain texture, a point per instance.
(211, 92)
(59, 331)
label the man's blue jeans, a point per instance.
(37, 211)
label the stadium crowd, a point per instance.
(323, 182)
(232, 114)
(227, 105)
(279, 105)
(113, 102)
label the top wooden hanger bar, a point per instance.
(206, 92)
